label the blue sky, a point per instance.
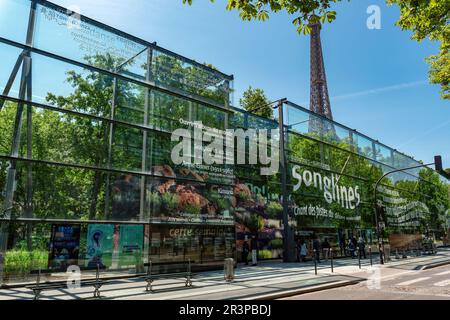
(377, 78)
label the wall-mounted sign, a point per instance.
(347, 197)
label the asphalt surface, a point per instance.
(394, 284)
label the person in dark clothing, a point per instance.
(354, 242)
(245, 251)
(351, 248)
(316, 248)
(342, 244)
(298, 246)
(362, 247)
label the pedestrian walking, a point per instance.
(362, 247)
(351, 248)
(342, 245)
(354, 241)
(303, 251)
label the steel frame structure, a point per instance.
(25, 99)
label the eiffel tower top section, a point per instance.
(319, 99)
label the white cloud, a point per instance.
(380, 90)
(425, 133)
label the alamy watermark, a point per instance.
(204, 145)
(374, 20)
(73, 17)
(374, 279)
(73, 277)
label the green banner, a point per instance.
(130, 245)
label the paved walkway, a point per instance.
(267, 280)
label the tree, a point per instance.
(430, 19)
(426, 19)
(259, 10)
(256, 102)
(434, 194)
(87, 143)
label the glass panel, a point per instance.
(342, 137)
(175, 73)
(9, 56)
(384, 155)
(365, 146)
(82, 40)
(119, 248)
(7, 118)
(77, 89)
(14, 19)
(87, 41)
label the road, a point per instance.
(398, 284)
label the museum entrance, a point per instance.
(338, 240)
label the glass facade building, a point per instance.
(87, 175)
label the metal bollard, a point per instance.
(331, 259)
(315, 262)
(370, 255)
(229, 270)
(359, 258)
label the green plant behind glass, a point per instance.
(194, 209)
(170, 201)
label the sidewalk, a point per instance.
(250, 282)
(268, 280)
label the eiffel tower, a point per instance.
(319, 99)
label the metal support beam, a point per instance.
(109, 155)
(29, 188)
(145, 133)
(25, 88)
(287, 245)
(12, 77)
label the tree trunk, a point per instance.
(94, 196)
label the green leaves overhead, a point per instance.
(302, 9)
(430, 20)
(427, 19)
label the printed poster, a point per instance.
(131, 242)
(64, 246)
(99, 245)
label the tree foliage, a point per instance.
(435, 196)
(429, 19)
(302, 10)
(256, 102)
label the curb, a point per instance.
(289, 293)
(435, 265)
